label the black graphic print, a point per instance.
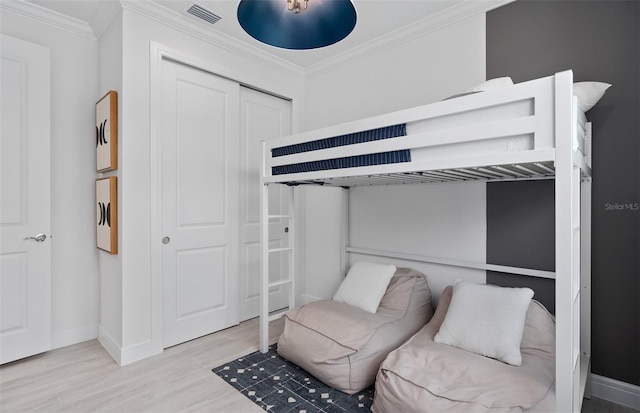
(104, 212)
(101, 138)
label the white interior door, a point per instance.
(263, 116)
(200, 202)
(25, 221)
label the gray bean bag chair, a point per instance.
(424, 376)
(343, 345)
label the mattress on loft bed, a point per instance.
(382, 158)
(472, 118)
(425, 376)
(443, 151)
(481, 113)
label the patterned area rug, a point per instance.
(279, 386)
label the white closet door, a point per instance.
(25, 262)
(262, 117)
(199, 201)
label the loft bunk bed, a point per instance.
(531, 130)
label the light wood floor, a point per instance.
(84, 378)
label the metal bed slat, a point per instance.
(488, 173)
(545, 167)
(527, 170)
(477, 173)
(536, 168)
(443, 176)
(466, 175)
(498, 174)
(434, 176)
(416, 178)
(508, 170)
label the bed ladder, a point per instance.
(265, 255)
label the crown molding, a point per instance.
(185, 24)
(43, 15)
(429, 24)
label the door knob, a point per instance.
(38, 238)
(166, 240)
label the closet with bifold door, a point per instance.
(209, 174)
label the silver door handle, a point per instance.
(166, 240)
(38, 238)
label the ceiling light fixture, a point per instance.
(282, 23)
(296, 7)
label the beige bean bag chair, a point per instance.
(343, 345)
(425, 376)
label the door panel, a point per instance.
(25, 264)
(199, 291)
(262, 117)
(200, 202)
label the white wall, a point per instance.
(321, 229)
(140, 236)
(421, 70)
(435, 220)
(110, 266)
(74, 87)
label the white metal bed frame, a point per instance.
(561, 150)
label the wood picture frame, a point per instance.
(107, 214)
(107, 132)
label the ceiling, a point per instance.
(376, 19)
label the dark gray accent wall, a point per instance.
(521, 233)
(543, 288)
(521, 224)
(598, 40)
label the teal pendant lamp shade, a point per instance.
(297, 25)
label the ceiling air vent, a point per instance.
(204, 14)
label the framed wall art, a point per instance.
(107, 214)
(107, 132)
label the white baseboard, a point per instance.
(127, 355)
(615, 391)
(138, 352)
(76, 336)
(110, 345)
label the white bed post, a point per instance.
(567, 222)
(585, 295)
(291, 276)
(344, 231)
(264, 257)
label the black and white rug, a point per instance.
(279, 386)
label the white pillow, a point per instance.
(491, 84)
(487, 320)
(365, 285)
(589, 93)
